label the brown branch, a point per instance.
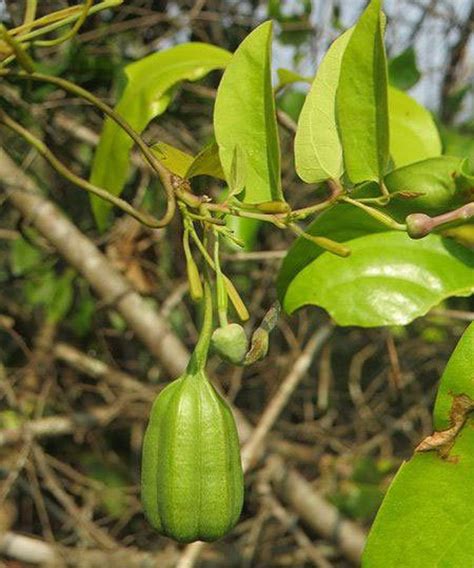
(294, 490)
(35, 551)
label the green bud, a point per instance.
(230, 343)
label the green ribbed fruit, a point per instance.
(192, 481)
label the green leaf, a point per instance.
(413, 132)
(341, 224)
(207, 163)
(174, 159)
(389, 279)
(457, 379)
(435, 178)
(457, 143)
(403, 71)
(426, 518)
(186, 166)
(54, 293)
(287, 76)
(24, 257)
(291, 102)
(238, 171)
(245, 230)
(244, 116)
(318, 151)
(361, 100)
(146, 95)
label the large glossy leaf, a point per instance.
(413, 132)
(244, 116)
(388, 279)
(146, 95)
(361, 100)
(318, 150)
(458, 378)
(427, 515)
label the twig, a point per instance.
(99, 370)
(53, 426)
(253, 448)
(93, 531)
(35, 551)
(322, 516)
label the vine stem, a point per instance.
(41, 147)
(18, 50)
(58, 19)
(221, 292)
(158, 167)
(30, 11)
(72, 32)
(199, 356)
(376, 214)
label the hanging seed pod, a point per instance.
(192, 483)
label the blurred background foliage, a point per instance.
(365, 402)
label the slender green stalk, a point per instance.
(328, 244)
(234, 296)
(30, 12)
(221, 292)
(52, 22)
(300, 214)
(376, 214)
(144, 218)
(72, 32)
(147, 153)
(18, 50)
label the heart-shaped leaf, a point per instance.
(244, 116)
(146, 95)
(361, 100)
